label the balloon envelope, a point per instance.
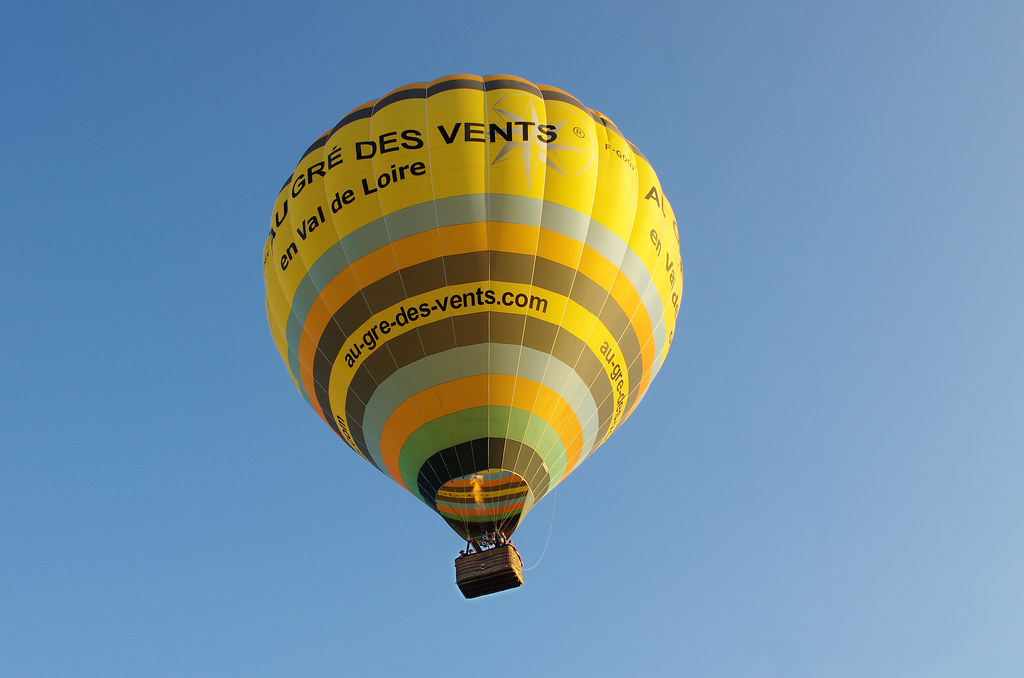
(473, 281)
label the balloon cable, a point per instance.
(554, 503)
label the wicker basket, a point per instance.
(490, 571)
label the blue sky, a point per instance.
(834, 449)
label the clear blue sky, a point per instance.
(834, 452)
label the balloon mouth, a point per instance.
(490, 501)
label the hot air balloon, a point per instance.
(473, 282)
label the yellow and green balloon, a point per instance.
(473, 281)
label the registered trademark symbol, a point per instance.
(579, 132)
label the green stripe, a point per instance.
(481, 422)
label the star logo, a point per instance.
(533, 152)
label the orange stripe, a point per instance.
(341, 288)
(471, 483)
(445, 508)
(477, 391)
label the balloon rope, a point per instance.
(554, 503)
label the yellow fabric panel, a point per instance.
(303, 236)
(653, 211)
(650, 222)
(617, 185)
(514, 165)
(456, 168)
(572, 161)
(675, 297)
(398, 167)
(351, 207)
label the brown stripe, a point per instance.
(543, 274)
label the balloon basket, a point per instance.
(485, 572)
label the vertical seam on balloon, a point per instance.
(485, 104)
(486, 195)
(555, 480)
(487, 107)
(586, 453)
(339, 242)
(597, 173)
(291, 302)
(444, 270)
(661, 324)
(486, 157)
(301, 321)
(602, 374)
(398, 270)
(526, 317)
